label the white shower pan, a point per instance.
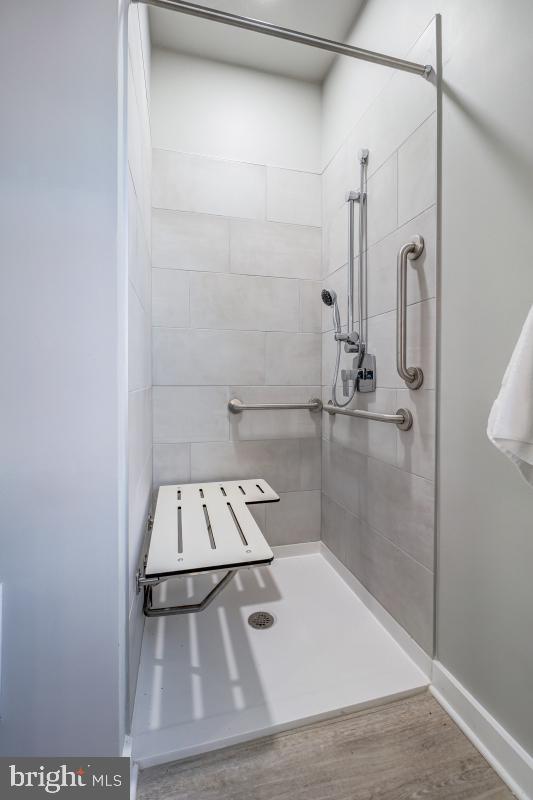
(208, 680)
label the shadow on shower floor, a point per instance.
(208, 680)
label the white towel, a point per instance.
(510, 425)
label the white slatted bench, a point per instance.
(203, 527)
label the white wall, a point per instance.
(236, 292)
(64, 385)
(231, 112)
(139, 317)
(485, 592)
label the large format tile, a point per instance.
(293, 359)
(139, 434)
(401, 584)
(274, 248)
(190, 414)
(421, 344)
(296, 518)
(344, 475)
(170, 298)
(401, 507)
(381, 265)
(339, 177)
(397, 581)
(310, 309)
(339, 528)
(382, 207)
(367, 437)
(207, 185)
(289, 465)
(139, 355)
(296, 424)
(181, 240)
(207, 358)
(417, 171)
(172, 463)
(294, 197)
(139, 260)
(243, 302)
(422, 340)
(382, 344)
(336, 241)
(416, 447)
(399, 108)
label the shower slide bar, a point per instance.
(403, 418)
(267, 28)
(237, 406)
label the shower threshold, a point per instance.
(210, 680)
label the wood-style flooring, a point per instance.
(407, 750)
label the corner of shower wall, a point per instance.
(139, 317)
(378, 483)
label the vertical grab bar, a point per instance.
(413, 376)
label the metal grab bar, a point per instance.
(237, 406)
(413, 376)
(403, 418)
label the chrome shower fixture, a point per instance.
(362, 376)
(329, 298)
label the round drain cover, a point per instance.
(260, 620)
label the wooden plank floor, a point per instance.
(407, 750)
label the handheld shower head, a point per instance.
(329, 297)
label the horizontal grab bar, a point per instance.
(237, 406)
(402, 418)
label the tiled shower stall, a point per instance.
(240, 252)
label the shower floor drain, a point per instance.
(260, 620)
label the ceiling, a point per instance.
(331, 19)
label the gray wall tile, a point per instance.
(190, 413)
(382, 201)
(310, 312)
(170, 298)
(344, 475)
(296, 518)
(293, 359)
(186, 182)
(289, 465)
(401, 507)
(243, 302)
(272, 248)
(172, 464)
(181, 240)
(417, 171)
(294, 197)
(207, 358)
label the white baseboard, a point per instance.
(512, 763)
(399, 634)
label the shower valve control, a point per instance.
(366, 373)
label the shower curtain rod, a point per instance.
(258, 26)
